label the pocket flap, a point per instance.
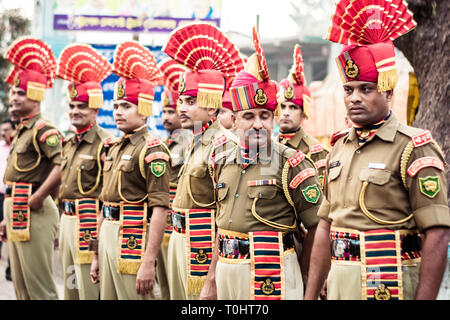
(262, 192)
(375, 176)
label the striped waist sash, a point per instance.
(132, 238)
(381, 258)
(20, 217)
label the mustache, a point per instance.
(167, 122)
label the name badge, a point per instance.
(220, 185)
(375, 165)
(335, 164)
(126, 157)
(86, 157)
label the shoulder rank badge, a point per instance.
(158, 168)
(422, 138)
(295, 160)
(430, 186)
(311, 193)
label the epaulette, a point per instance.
(315, 148)
(153, 142)
(221, 140)
(108, 142)
(296, 159)
(339, 134)
(40, 124)
(422, 138)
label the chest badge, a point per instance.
(201, 256)
(132, 243)
(268, 287)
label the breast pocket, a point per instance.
(107, 166)
(376, 192)
(87, 165)
(200, 185)
(27, 157)
(64, 161)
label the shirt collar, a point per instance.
(386, 132)
(29, 122)
(136, 135)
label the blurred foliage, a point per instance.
(12, 26)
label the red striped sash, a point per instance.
(20, 217)
(381, 265)
(133, 231)
(87, 227)
(200, 236)
(267, 265)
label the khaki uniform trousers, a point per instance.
(32, 261)
(162, 270)
(233, 280)
(77, 279)
(177, 267)
(344, 282)
(115, 286)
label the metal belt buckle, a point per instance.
(341, 248)
(107, 212)
(231, 246)
(177, 220)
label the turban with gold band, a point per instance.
(172, 72)
(34, 66)
(139, 73)
(367, 28)
(252, 87)
(210, 58)
(294, 88)
(85, 68)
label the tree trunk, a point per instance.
(427, 48)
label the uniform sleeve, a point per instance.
(306, 192)
(49, 140)
(427, 186)
(158, 177)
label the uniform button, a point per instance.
(243, 171)
(70, 168)
(236, 195)
(358, 151)
(82, 166)
(230, 221)
(350, 178)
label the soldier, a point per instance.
(226, 114)
(32, 174)
(201, 89)
(294, 102)
(385, 181)
(135, 191)
(264, 191)
(81, 168)
(177, 141)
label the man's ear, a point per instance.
(212, 112)
(389, 95)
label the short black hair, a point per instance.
(10, 122)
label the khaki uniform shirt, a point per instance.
(311, 147)
(177, 142)
(238, 187)
(122, 171)
(195, 186)
(36, 136)
(378, 162)
(82, 159)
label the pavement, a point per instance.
(7, 288)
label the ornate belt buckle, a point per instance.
(177, 221)
(341, 248)
(231, 247)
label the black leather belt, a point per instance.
(242, 247)
(348, 248)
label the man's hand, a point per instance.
(3, 237)
(209, 291)
(145, 279)
(95, 278)
(36, 202)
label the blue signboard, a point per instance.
(105, 116)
